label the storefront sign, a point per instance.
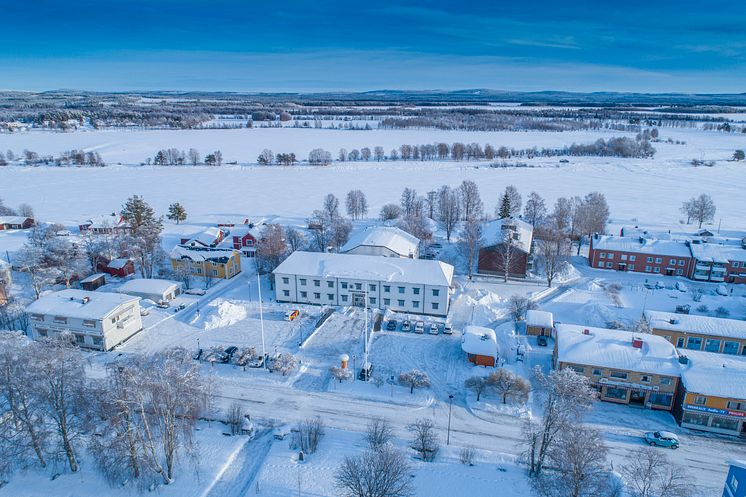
(636, 386)
(713, 410)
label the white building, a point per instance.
(387, 241)
(97, 320)
(152, 289)
(403, 285)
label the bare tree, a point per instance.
(342, 155)
(294, 238)
(471, 239)
(321, 230)
(650, 473)
(319, 157)
(235, 418)
(702, 209)
(357, 204)
(381, 473)
(471, 202)
(507, 249)
(389, 212)
(378, 153)
(449, 209)
(271, 248)
(515, 200)
(466, 456)
(424, 440)
(309, 433)
(565, 396)
(408, 199)
(417, 226)
(476, 384)
(594, 214)
(193, 156)
(340, 232)
(379, 433)
(553, 250)
(519, 305)
(266, 158)
(578, 462)
(340, 374)
(535, 210)
(509, 385)
(331, 208)
(26, 210)
(414, 379)
(284, 363)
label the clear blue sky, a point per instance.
(311, 45)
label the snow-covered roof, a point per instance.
(367, 267)
(689, 323)
(13, 219)
(4, 265)
(70, 303)
(542, 319)
(93, 277)
(118, 263)
(180, 252)
(641, 245)
(494, 234)
(479, 341)
(392, 238)
(207, 237)
(106, 221)
(243, 229)
(613, 349)
(715, 252)
(721, 375)
(149, 286)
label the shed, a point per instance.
(119, 267)
(93, 282)
(480, 345)
(152, 289)
(539, 323)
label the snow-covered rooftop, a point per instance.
(641, 245)
(207, 237)
(118, 263)
(393, 238)
(70, 303)
(13, 219)
(367, 267)
(493, 232)
(689, 323)
(613, 349)
(92, 277)
(106, 221)
(722, 375)
(542, 319)
(145, 285)
(715, 252)
(480, 341)
(243, 229)
(180, 252)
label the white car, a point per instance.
(419, 327)
(448, 329)
(433, 329)
(680, 286)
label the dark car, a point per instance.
(391, 325)
(366, 372)
(229, 351)
(541, 341)
(197, 355)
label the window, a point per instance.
(618, 374)
(679, 272)
(680, 342)
(285, 280)
(316, 282)
(214, 272)
(41, 332)
(387, 288)
(682, 262)
(89, 323)
(623, 257)
(602, 255)
(372, 300)
(660, 399)
(304, 295)
(302, 282)
(631, 267)
(724, 423)
(60, 320)
(672, 262)
(37, 317)
(416, 290)
(656, 270)
(358, 286)
(344, 285)
(700, 400)
(609, 264)
(735, 264)
(649, 259)
(730, 348)
(712, 345)
(286, 293)
(578, 369)
(316, 295)
(632, 258)
(416, 304)
(600, 263)
(401, 289)
(665, 381)
(435, 306)
(645, 378)
(694, 343)
(648, 269)
(658, 260)
(386, 301)
(596, 372)
(695, 419)
(616, 393)
(330, 284)
(79, 339)
(738, 406)
(330, 296)
(97, 341)
(371, 288)
(401, 303)
(344, 298)
(436, 293)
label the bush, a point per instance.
(466, 456)
(308, 434)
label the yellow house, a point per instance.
(207, 262)
(690, 332)
(712, 395)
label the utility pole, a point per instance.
(450, 406)
(261, 318)
(365, 337)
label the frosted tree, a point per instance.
(378, 153)
(331, 208)
(193, 156)
(177, 212)
(650, 473)
(389, 212)
(476, 384)
(340, 374)
(508, 385)
(535, 210)
(266, 158)
(414, 379)
(271, 248)
(295, 239)
(702, 209)
(380, 473)
(340, 232)
(424, 439)
(319, 157)
(471, 240)
(510, 203)
(449, 210)
(553, 251)
(356, 204)
(25, 210)
(408, 200)
(471, 202)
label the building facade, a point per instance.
(690, 332)
(206, 262)
(383, 241)
(97, 320)
(539, 323)
(15, 222)
(507, 248)
(735, 482)
(402, 285)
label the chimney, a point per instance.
(673, 321)
(683, 359)
(637, 342)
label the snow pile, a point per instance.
(226, 313)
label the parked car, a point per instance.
(448, 329)
(144, 311)
(292, 315)
(434, 329)
(197, 355)
(281, 433)
(163, 305)
(681, 286)
(62, 233)
(419, 327)
(406, 325)
(541, 341)
(683, 309)
(721, 290)
(195, 291)
(366, 372)
(662, 439)
(436, 245)
(391, 325)
(229, 351)
(257, 363)
(180, 307)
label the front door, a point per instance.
(358, 299)
(637, 397)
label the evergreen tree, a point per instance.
(505, 206)
(177, 212)
(138, 213)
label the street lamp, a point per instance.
(354, 367)
(450, 405)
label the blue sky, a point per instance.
(307, 45)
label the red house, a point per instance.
(15, 223)
(117, 267)
(640, 255)
(246, 238)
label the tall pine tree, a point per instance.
(505, 206)
(177, 212)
